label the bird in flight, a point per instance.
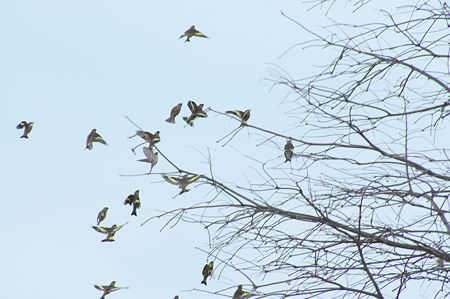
(242, 115)
(173, 113)
(196, 111)
(150, 156)
(134, 200)
(181, 181)
(240, 293)
(207, 270)
(108, 231)
(107, 289)
(192, 32)
(26, 126)
(94, 137)
(102, 215)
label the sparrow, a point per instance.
(196, 111)
(192, 32)
(173, 113)
(27, 126)
(102, 215)
(108, 231)
(181, 181)
(207, 270)
(94, 137)
(243, 116)
(288, 150)
(134, 200)
(240, 293)
(150, 157)
(107, 289)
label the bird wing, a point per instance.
(193, 178)
(171, 179)
(192, 106)
(100, 229)
(199, 34)
(98, 138)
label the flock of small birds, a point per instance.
(151, 157)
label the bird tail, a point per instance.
(204, 282)
(108, 240)
(171, 120)
(188, 121)
(134, 213)
(24, 136)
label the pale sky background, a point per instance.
(71, 66)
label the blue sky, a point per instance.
(71, 66)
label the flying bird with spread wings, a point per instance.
(191, 32)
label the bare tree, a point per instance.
(363, 210)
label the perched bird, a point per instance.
(196, 111)
(240, 293)
(173, 113)
(243, 116)
(192, 32)
(150, 157)
(181, 181)
(107, 289)
(102, 215)
(134, 200)
(288, 150)
(207, 270)
(108, 231)
(26, 126)
(94, 137)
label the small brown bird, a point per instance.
(192, 32)
(240, 293)
(173, 113)
(26, 126)
(150, 157)
(196, 111)
(134, 200)
(243, 116)
(108, 231)
(94, 137)
(181, 181)
(288, 150)
(102, 215)
(108, 289)
(207, 270)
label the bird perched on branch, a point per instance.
(288, 150)
(134, 200)
(108, 231)
(173, 113)
(94, 137)
(207, 270)
(192, 32)
(196, 111)
(181, 181)
(150, 157)
(102, 215)
(243, 116)
(107, 289)
(26, 126)
(240, 293)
